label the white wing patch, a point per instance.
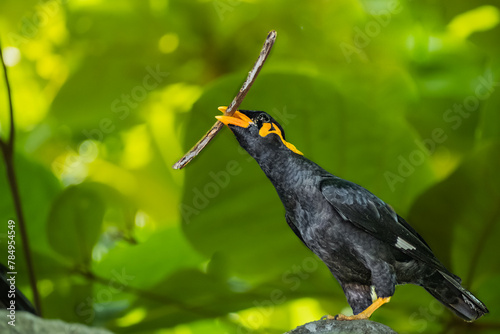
(403, 244)
(468, 302)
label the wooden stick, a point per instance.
(252, 75)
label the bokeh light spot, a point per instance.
(11, 56)
(168, 43)
(479, 19)
(133, 317)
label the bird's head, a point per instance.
(257, 132)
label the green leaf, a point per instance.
(120, 211)
(76, 296)
(75, 223)
(162, 254)
(37, 187)
(185, 296)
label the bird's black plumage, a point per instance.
(361, 239)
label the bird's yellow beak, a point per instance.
(238, 118)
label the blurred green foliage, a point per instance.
(402, 97)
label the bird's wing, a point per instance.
(369, 213)
(290, 222)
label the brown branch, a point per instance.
(8, 154)
(252, 75)
(10, 143)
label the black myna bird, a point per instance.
(360, 238)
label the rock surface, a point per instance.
(342, 327)
(27, 323)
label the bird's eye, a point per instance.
(264, 118)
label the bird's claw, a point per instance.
(365, 315)
(332, 317)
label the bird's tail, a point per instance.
(451, 294)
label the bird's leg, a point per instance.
(366, 314)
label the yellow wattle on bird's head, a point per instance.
(265, 124)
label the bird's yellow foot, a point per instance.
(366, 314)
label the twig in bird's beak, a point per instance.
(252, 75)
